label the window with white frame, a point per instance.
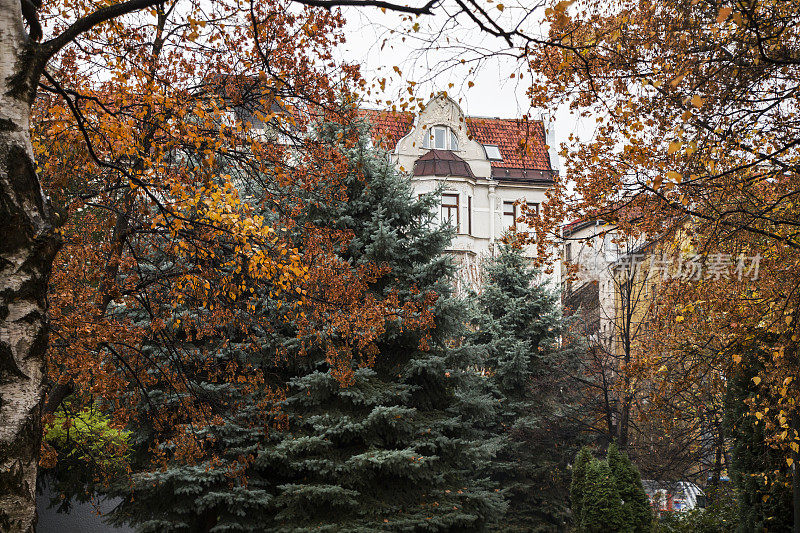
(450, 210)
(492, 152)
(509, 215)
(440, 138)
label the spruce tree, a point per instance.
(636, 510)
(602, 506)
(516, 325)
(393, 449)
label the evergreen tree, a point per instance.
(515, 326)
(636, 510)
(390, 451)
(759, 473)
(602, 506)
(577, 488)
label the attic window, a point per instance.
(440, 138)
(492, 152)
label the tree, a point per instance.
(759, 473)
(135, 96)
(601, 503)
(577, 488)
(698, 130)
(691, 135)
(516, 325)
(607, 495)
(392, 448)
(636, 511)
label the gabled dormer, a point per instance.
(503, 150)
(441, 125)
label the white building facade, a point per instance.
(487, 169)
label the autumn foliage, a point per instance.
(696, 143)
(179, 163)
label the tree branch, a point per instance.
(104, 14)
(425, 9)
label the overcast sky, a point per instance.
(494, 94)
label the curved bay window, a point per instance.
(450, 210)
(440, 138)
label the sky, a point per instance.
(371, 43)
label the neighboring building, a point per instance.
(590, 250)
(488, 169)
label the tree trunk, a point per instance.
(624, 418)
(716, 473)
(28, 245)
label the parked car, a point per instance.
(674, 496)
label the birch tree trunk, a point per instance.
(28, 245)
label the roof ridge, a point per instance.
(517, 119)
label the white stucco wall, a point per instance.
(480, 198)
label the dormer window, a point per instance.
(492, 152)
(440, 138)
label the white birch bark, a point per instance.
(27, 247)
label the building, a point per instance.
(590, 249)
(490, 171)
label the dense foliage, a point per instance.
(516, 327)
(760, 474)
(388, 449)
(607, 494)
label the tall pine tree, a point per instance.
(392, 450)
(516, 326)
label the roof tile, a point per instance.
(521, 142)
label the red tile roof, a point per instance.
(388, 127)
(521, 143)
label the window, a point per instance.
(492, 152)
(469, 215)
(450, 210)
(568, 252)
(509, 215)
(440, 138)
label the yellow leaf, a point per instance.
(737, 358)
(501, 7)
(470, 84)
(759, 415)
(789, 461)
(697, 101)
(674, 146)
(756, 380)
(724, 13)
(679, 318)
(795, 447)
(674, 176)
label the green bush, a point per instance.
(720, 517)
